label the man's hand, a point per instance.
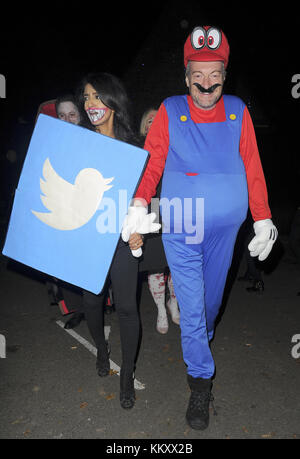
(265, 236)
(138, 221)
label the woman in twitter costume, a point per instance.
(105, 105)
(206, 145)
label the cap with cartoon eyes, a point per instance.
(206, 44)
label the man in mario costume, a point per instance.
(205, 144)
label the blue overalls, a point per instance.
(204, 176)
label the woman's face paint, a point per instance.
(96, 114)
(207, 90)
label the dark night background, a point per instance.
(45, 50)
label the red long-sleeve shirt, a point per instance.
(157, 144)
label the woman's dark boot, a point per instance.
(74, 321)
(257, 287)
(197, 414)
(127, 393)
(102, 363)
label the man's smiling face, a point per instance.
(206, 74)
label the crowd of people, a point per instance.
(201, 145)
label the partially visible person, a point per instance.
(154, 259)
(53, 285)
(67, 110)
(146, 121)
(253, 272)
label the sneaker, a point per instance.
(174, 311)
(162, 325)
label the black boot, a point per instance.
(127, 393)
(102, 363)
(257, 287)
(197, 414)
(74, 321)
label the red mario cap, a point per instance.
(206, 44)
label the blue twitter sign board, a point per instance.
(72, 197)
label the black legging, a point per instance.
(123, 276)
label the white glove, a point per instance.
(265, 236)
(138, 221)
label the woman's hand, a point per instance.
(135, 241)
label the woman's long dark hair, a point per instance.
(113, 94)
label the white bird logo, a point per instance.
(71, 206)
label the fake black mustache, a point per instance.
(209, 90)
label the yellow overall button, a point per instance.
(183, 118)
(232, 116)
